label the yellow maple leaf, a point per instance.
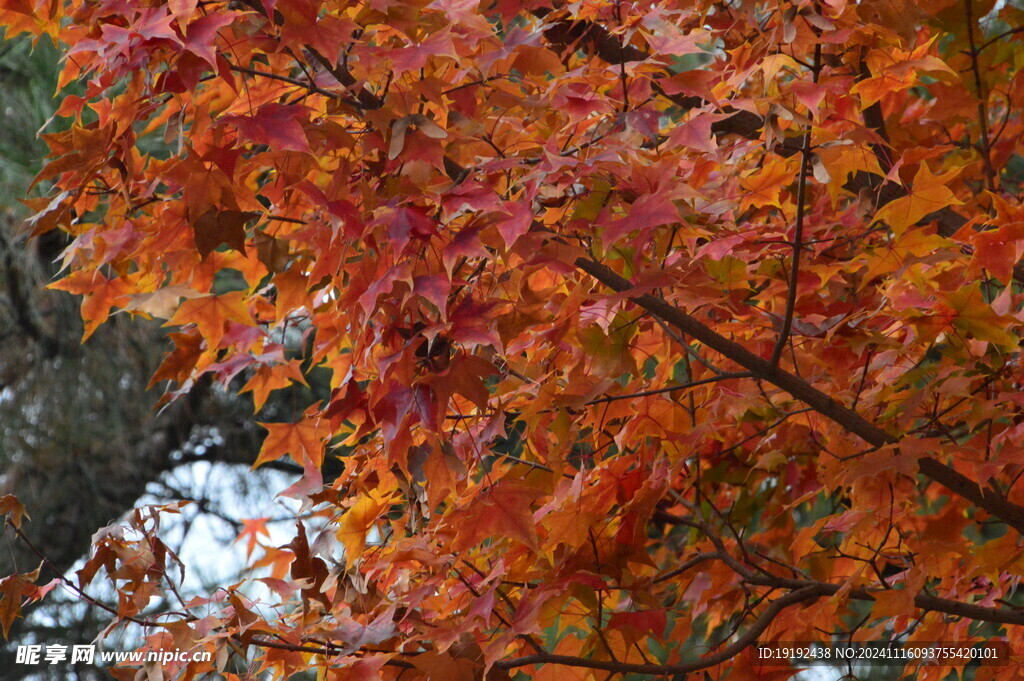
(843, 158)
(357, 522)
(763, 185)
(976, 317)
(927, 194)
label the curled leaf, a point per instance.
(428, 127)
(13, 509)
(819, 170)
(420, 122)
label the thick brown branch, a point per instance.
(989, 500)
(748, 638)
(922, 601)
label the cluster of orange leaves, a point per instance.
(540, 475)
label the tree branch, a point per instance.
(672, 388)
(188, 617)
(923, 601)
(989, 500)
(748, 638)
(979, 88)
(798, 231)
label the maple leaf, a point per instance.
(928, 193)
(100, 295)
(291, 287)
(270, 377)
(304, 440)
(518, 222)
(276, 125)
(212, 313)
(400, 128)
(49, 213)
(976, 317)
(216, 227)
(499, 511)
(999, 250)
(271, 251)
(639, 622)
(696, 133)
(252, 528)
(896, 70)
(307, 568)
(201, 33)
(12, 509)
(357, 522)
(651, 210)
(446, 666)
(764, 185)
(893, 603)
(13, 590)
(161, 303)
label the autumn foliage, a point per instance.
(652, 329)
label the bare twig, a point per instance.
(798, 232)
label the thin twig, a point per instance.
(798, 232)
(188, 617)
(979, 87)
(298, 83)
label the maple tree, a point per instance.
(651, 330)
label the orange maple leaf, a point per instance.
(211, 313)
(270, 377)
(927, 194)
(303, 440)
